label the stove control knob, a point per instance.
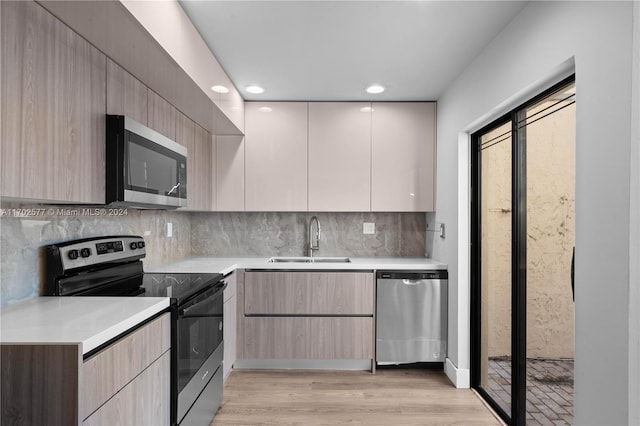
(140, 244)
(73, 254)
(85, 252)
(133, 246)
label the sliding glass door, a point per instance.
(495, 240)
(522, 240)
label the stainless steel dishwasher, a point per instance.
(411, 317)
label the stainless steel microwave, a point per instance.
(143, 168)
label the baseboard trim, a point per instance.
(304, 364)
(458, 376)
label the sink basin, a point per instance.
(305, 259)
(331, 260)
(289, 260)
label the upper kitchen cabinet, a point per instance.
(191, 61)
(276, 156)
(205, 170)
(126, 95)
(229, 161)
(53, 106)
(339, 156)
(162, 115)
(199, 156)
(403, 156)
(232, 106)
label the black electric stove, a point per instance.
(112, 266)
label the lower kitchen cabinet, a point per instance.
(308, 338)
(144, 401)
(312, 315)
(123, 365)
(127, 382)
(310, 293)
(229, 309)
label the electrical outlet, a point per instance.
(169, 229)
(368, 228)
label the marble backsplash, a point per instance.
(194, 234)
(22, 239)
(285, 234)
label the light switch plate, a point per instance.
(368, 228)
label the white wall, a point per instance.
(634, 263)
(544, 43)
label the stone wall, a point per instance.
(22, 239)
(285, 234)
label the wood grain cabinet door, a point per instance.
(306, 315)
(199, 156)
(230, 324)
(308, 293)
(230, 171)
(143, 402)
(106, 373)
(204, 174)
(162, 116)
(53, 109)
(308, 338)
(126, 95)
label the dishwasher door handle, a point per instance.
(411, 282)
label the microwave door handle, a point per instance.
(174, 188)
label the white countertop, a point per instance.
(89, 321)
(226, 265)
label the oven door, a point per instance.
(200, 346)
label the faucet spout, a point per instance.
(313, 246)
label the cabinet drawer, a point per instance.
(108, 371)
(308, 293)
(144, 401)
(308, 338)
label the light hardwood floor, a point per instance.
(389, 397)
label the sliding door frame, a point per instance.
(518, 258)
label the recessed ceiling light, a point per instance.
(255, 89)
(375, 89)
(220, 89)
(367, 109)
(265, 109)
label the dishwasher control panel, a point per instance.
(408, 275)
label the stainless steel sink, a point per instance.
(306, 259)
(331, 260)
(289, 260)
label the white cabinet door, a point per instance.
(276, 156)
(232, 104)
(403, 156)
(339, 156)
(230, 173)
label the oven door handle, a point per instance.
(203, 297)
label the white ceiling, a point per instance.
(333, 50)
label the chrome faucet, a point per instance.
(313, 246)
